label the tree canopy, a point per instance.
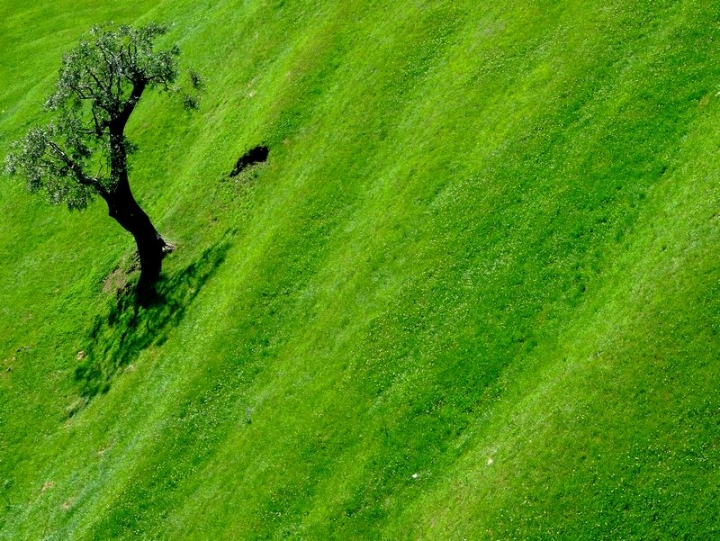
(83, 151)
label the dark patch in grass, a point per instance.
(135, 323)
(258, 154)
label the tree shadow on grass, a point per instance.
(135, 323)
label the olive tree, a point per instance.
(83, 151)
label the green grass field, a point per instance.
(473, 294)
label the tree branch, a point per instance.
(98, 126)
(96, 79)
(79, 174)
(132, 101)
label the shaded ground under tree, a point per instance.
(135, 323)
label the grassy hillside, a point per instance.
(473, 294)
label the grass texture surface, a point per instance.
(474, 293)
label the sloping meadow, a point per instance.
(471, 294)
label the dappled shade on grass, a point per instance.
(135, 323)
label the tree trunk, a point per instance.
(122, 206)
(152, 248)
